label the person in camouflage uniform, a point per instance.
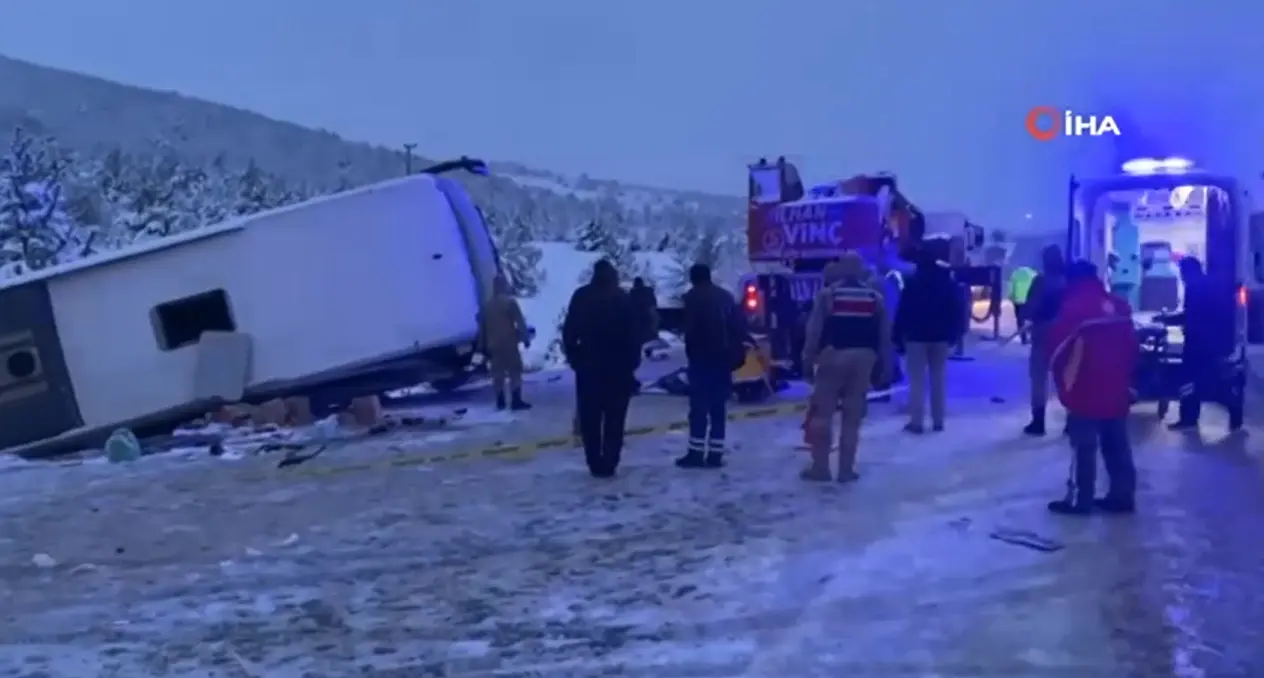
(504, 328)
(848, 339)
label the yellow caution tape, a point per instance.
(516, 452)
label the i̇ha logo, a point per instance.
(1046, 123)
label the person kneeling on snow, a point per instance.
(1092, 352)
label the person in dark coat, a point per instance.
(715, 331)
(600, 340)
(646, 303)
(1208, 327)
(1044, 299)
(928, 322)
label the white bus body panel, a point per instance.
(344, 280)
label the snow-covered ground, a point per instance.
(564, 267)
(513, 567)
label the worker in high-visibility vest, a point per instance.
(1019, 287)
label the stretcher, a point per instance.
(754, 381)
(1159, 368)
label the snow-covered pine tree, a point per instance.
(85, 206)
(731, 252)
(625, 262)
(161, 201)
(519, 256)
(115, 177)
(695, 243)
(545, 224)
(613, 239)
(554, 353)
(593, 236)
(203, 197)
(216, 191)
(283, 193)
(532, 207)
(35, 230)
(252, 189)
(343, 182)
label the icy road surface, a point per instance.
(495, 568)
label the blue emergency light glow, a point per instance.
(1144, 166)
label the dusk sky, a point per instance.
(679, 93)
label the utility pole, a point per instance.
(408, 158)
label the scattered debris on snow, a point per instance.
(122, 446)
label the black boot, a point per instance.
(692, 459)
(600, 470)
(1118, 505)
(500, 401)
(1068, 507)
(517, 403)
(1037, 425)
(714, 460)
(1189, 410)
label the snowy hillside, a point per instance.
(78, 178)
(101, 165)
(90, 118)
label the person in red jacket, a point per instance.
(1093, 350)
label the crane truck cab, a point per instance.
(1135, 225)
(793, 233)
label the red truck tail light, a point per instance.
(751, 298)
